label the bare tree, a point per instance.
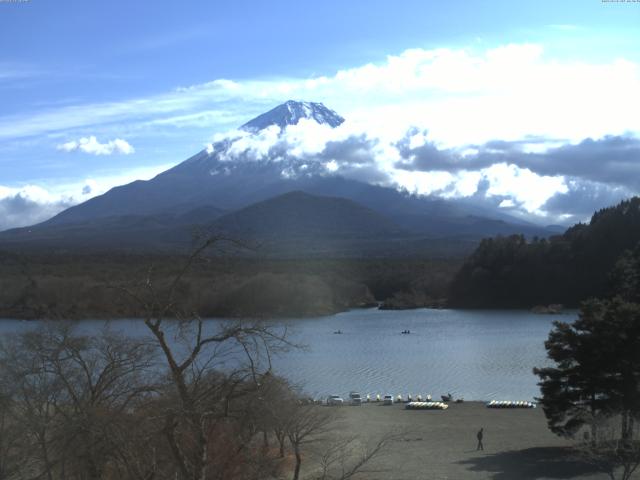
(277, 400)
(195, 353)
(338, 458)
(346, 458)
(307, 424)
(74, 397)
(9, 436)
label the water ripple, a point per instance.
(474, 354)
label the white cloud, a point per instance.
(461, 95)
(507, 203)
(465, 96)
(92, 146)
(350, 151)
(31, 192)
(523, 186)
(331, 166)
(256, 147)
(30, 204)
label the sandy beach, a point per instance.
(442, 444)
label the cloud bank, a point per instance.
(534, 178)
(28, 205)
(92, 146)
(461, 95)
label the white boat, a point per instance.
(426, 406)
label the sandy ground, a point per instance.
(442, 444)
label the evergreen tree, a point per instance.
(625, 277)
(597, 368)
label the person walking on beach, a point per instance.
(480, 435)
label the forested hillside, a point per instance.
(513, 272)
(88, 286)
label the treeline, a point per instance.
(86, 286)
(513, 272)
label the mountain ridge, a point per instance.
(209, 185)
(300, 214)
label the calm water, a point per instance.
(478, 355)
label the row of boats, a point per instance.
(426, 406)
(387, 399)
(399, 398)
(404, 332)
(422, 403)
(510, 404)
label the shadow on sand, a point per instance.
(531, 463)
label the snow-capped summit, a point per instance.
(290, 113)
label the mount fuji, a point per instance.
(276, 197)
(290, 113)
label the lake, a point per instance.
(474, 354)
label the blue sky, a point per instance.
(95, 94)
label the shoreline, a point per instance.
(301, 316)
